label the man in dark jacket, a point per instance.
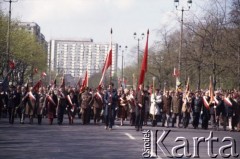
(110, 100)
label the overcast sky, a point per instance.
(76, 19)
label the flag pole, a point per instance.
(111, 65)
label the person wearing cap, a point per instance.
(85, 105)
(176, 109)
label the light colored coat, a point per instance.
(154, 109)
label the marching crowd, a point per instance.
(163, 108)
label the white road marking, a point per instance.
(130, 136)
(116, 126)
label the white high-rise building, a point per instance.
(76, 56)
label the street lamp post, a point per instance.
(181, 33)
(9, 30)
(122, 60)
(138, 39)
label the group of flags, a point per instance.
(107, 64)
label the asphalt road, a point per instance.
(93, 141)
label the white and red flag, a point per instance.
(108, 62)
(84, 83)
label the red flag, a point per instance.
(108, 62)
(37, 86)
(11, 64)
(144, 63)
(85, 82)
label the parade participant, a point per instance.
(196, 109)
(11, 104)
(110, 100)
(147, 105)
(71, 106)
(51, 105)
(154, 108)
(176, 109)
(62, 104)
(237, 100)
(2, 100)
(206, 110)
(18, 101)
(132, 105)
(140, 108)
(85, 105)
(97, 104)
(229, 109)
(219, 108)
(23, 104)
(30, 101)
(167, 102)
(41, 105)
(123, 106)
(90, 108)
(186, 109)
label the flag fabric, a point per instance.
(85, 82)
(37, 86)
(108, 62)
(144, 63)
(11, 64)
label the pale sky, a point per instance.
(76, 19)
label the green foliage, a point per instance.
(25, 50)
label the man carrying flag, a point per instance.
(141, 97)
